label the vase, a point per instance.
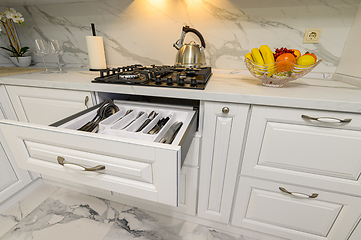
(23, 61)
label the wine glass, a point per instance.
(57, 50)
(42, 49)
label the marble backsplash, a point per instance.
(143, 31)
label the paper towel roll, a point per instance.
(96, 52)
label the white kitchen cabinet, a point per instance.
(12, 179)
(46, 106)
(284, 146)
(261, 206)
(126, 162)
(356, 233)
(222, 139)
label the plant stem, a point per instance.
(7, 31)
(15, 37)
(10, 32)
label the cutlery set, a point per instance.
(157, 123)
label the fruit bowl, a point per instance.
(278, 73)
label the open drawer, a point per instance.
(117, 158)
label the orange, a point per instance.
(285, 62)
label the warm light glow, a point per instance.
(158, 3)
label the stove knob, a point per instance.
(152, 75)
(158, 80)
(169, 81)
(181, 81)
(193, 82)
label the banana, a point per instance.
(267, 54)
(249, 56)
(257, 57)
(268, 59)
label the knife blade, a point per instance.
(174, 134)
(168, 133)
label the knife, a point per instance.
(160, 124)
(174, 134)
(167, 137)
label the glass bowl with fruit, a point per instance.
(275, 69)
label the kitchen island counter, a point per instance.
(224, 86)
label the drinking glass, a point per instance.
(57, 50)
(42, 49)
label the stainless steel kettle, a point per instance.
(190, 55)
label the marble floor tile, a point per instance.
(220, 235)
(16, 213)
(67, 215)
(134, 223)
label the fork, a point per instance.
(138, 116)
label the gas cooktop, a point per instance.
(157, 76)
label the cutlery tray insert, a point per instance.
(131, 116)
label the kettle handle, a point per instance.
(187, 29)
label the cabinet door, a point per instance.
(12, 179)
(223, 130)
(262, 206)
(46, 106)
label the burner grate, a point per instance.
(156, 76)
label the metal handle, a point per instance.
(225, 110)
(62, 162)
(314, 195)
(86, 101)
(327, 119)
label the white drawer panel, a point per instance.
(262, 206)
(135, 167)
(277, 209)
(113, 166)
(331, 152)
(283, 146)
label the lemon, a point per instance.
(305, 60)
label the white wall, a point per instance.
(143, 31)
(350, 62)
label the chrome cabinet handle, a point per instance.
(225, 110)
(314, 195)
(62, 162)
(86, 101)
(327, 119)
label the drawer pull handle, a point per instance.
(314, 195)
(327, 119)
(62, 162)
(86, 101)
(225, 110)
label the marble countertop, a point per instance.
(313, 91)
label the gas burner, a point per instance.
(128, 75)
(157, 76)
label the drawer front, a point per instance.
(145, 170)
(262, 206)
(34, 104)
(286, 147)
